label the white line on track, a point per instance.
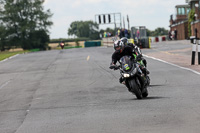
(88, 58)
(3, 85)
(188, 69)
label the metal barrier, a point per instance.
(108, 41)
(92, 44)
(150, 42)
(131, 40)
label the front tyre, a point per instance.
(135, 88)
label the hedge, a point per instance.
(68, 40)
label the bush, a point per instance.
(77, 43)
(68, 40)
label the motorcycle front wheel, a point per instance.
(135, 88)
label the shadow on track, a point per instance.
(154, 97)
(155, 85)
(151, 98)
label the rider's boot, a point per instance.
(144, 70)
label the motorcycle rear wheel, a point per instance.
(148, 80)
(145, 94)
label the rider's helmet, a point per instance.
(124, 40)
(119, 46)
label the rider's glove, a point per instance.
(115, 67)
(112, 66)
(139, 57)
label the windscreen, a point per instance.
(126, 63)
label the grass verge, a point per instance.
(69, 47)
(7, 54)
(4, 55)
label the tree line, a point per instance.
(157, 32)
(90, 29)
(24, 23)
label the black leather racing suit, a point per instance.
(117, 55)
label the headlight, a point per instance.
(126, 75)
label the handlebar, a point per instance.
(115, 67)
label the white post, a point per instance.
(193, 51)
(199, 52)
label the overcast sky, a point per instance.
(149, 13)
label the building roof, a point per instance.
(188, 1)
(182, 6)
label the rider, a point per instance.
(62, 44)
(137, 51)
(122, 50)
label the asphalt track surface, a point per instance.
(74, 91)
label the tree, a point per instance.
(87, 29)
(41, 41)
(191, 18)
(2, 37)
(22, 19)
(149, 32)
(157, 32)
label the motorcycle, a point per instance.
(133, 78)
(62, 45)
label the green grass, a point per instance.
(4, 55)
(35, 50)
(69, 47)
(7, 54)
